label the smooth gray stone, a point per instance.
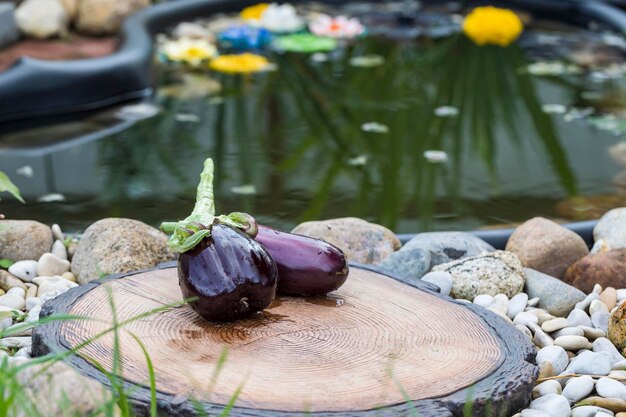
(555, 296)
(411, 264)
(8, 28)
(445, 247)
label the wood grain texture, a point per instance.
(340, 355)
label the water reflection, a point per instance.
(326, 138)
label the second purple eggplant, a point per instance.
(306, 266)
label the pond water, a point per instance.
(412, 126)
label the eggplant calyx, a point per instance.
(242, 221)
(187, 233)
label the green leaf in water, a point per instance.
(7, 185)
(305, 43)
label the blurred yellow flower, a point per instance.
(254, 12)
(240, 64)
(191, 51)
(493, 26)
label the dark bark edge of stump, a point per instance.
(505, 391)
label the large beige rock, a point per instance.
(105, 17)
(113, 246)
(617, 327)
(544, 246)
(360, 240)
(60, 391)
(492, 273)
(41, 19)
(24, 239)
(71, 8)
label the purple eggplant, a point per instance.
(229, 274)
(306, 266)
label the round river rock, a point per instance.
(605, 268)
(543, 245)
(360, 240)
(113, 246)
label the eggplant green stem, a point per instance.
(187, 233)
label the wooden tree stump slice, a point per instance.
(376, 342)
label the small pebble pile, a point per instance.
(25, 287)
(578, 364)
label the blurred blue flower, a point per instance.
(245, 37)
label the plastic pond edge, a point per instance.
(498, 237)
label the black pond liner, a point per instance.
(34, 88)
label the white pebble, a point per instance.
(483, 300)
(13, 361)
(590, 363)
(540, 339)
(499, 305)
(17, 291)
(33, 315)
(586, 302)
(553, 404)
(569, 331)
(621, 295)
(32, 302)
(58, 250)
(587, 411)
(53, 285)
(555, 355)
(617, 375)
(592, 333)
(597, 289)
(49, 265)
(517, 304)
(526, 317)
(56, 232)
(579, 318)
(24, 270)
(619, 366)
(12, 301)
(24, 352)
(578, 388)
(555, 324)
(597, 306)
(534, 413)
(16, 342)
(533, 302)
(442, 279)
(600, 320)
(542, 315)
(602, 344)
(547, 387)
(610, 388)
(572, 343)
